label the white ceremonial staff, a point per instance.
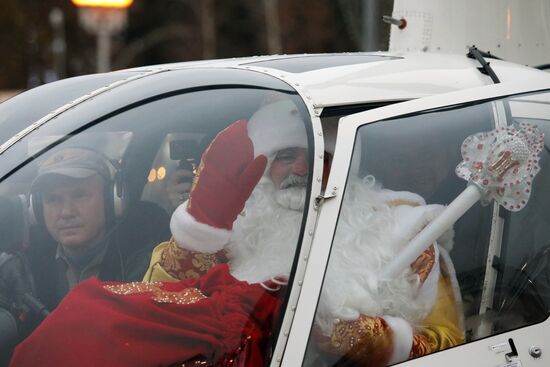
(499, 165)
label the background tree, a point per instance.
(174, 30)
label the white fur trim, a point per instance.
(402, 338)
(411, 220)
(276, 126)
(195, 236)
(446, 240)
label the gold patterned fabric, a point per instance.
(159, 295)
(184, 264)
(442, 328)
(170, 263)
(420, 346)
(424, 264)
(197, 178)
(366, 341)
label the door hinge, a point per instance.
(319, 200)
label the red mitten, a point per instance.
(226, 177)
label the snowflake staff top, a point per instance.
(502, 163)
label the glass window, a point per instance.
(102, 200)
(167, 180)
(21, 110)
(523, 286)
(302, 64)
(486, 274)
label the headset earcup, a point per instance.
(118, 191)
(108, 193)
(118, 200)
(36, 214)
(115, 201)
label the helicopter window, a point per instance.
(401, 176)
(173, 169)
(20, 111)
(314, 62)
(522, 294)
(101, 199)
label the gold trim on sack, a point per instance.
(184, 297)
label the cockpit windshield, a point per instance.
(187, 204)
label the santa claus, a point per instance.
(212, 293)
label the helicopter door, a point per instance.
(480, 291)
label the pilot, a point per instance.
(78, 196)
(81, 232)
(69, 190)
(213, 292)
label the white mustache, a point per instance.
(293, 180)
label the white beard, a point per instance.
(265, 237)
(293, 198)
(369, 235)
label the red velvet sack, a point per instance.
(95, 326)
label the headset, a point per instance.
(114, 193)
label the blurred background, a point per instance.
(43, 41)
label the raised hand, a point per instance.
(226, 176)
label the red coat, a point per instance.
(216, 319)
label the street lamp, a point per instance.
(103, 18)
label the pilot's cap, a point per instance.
(77, 163)
(276, 126)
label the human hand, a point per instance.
(5, 285)
(366, 341)
(226, 177)
(15, 281)
(178, 186)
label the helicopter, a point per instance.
(399, 117)
(408, 121)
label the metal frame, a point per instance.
(495, 244)
(312, 210)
